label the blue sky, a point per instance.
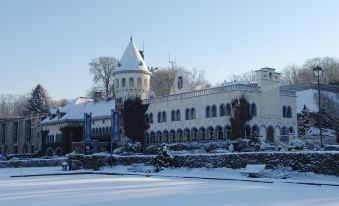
(52, 42)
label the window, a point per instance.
(214, 111)
(164, 116)
(178, 116)
(139, 83)
(28, 131)
(192, 113)
(173, 115)
(131, 82)
(151, 118)
(207, 111)
(159, 117)
(187, 114)
(123, 82)
(146, 119)
(289, 112)
(222, 110)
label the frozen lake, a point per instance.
(139, 190)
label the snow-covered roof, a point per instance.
(75, 110)
(131, 60)
(307, 97)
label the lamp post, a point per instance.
(317, 73)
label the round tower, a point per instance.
(132, 76)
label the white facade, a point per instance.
(204, 115)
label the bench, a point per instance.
(254, 171)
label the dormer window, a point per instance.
(270, 75)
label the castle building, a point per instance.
(203, 115)
(183, 116)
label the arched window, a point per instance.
(123, 82)
(152, 137)
(284, 112)
(289, 112)
(172, 136)
(222, 110)
(139, 83)
(227, 131)
(178, 116)
(165, 135)
(219, 133)
(214, 111)
(172, 115)
(179, 135)
(255, 131)
(187, 114)
(192, 113)
(208, 112)
(164, 116)
(228, 109)
(253, 109)
(151, 118)
(131, 82)
(195, 134)
(202, 133)
(159, 117)
(159, 137)
(211, 133)
(187, 135)
(146, 119)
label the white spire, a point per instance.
(131, 59)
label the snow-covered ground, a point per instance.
(141, 190)
(97, 189)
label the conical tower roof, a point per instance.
(131, 60)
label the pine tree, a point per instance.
(240, 115)
(39, 100)
(133, 115)
(163, 159)
(304, 124)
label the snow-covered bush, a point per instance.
(297, 143)
(163, 159)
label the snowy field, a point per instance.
(97, 189)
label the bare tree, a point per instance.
(162, 80)
(102, 69)
(293, 74)
(247, 76)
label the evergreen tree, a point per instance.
(39, 100)
(163, 159)
(240, 115)
(133, 115)
(304, 124)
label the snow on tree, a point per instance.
(39, 100)
(304, 124)
(163, 159)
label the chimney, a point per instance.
(142, 54)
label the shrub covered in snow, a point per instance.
(297, 144)
(163, 159)
(32, 163)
